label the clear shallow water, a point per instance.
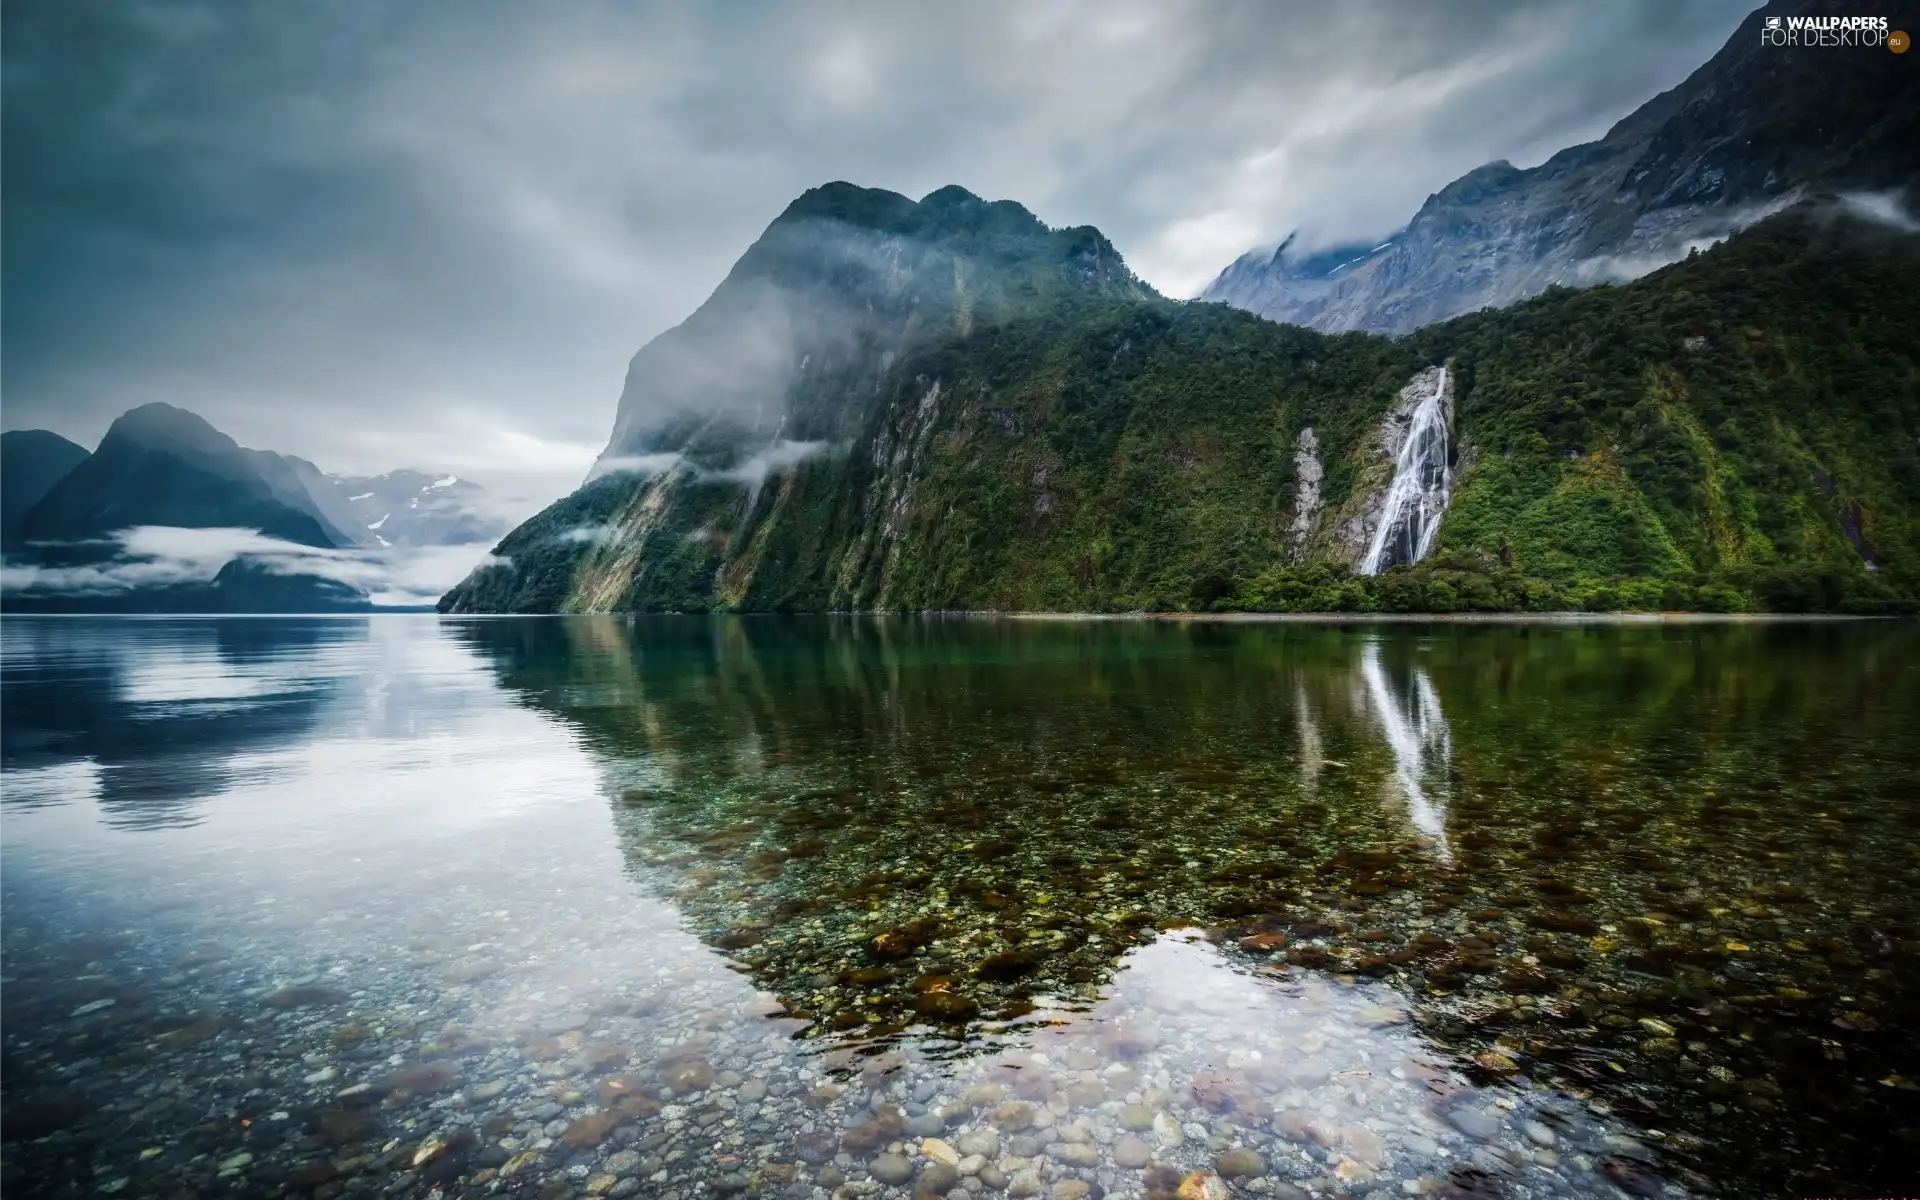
(588, 906)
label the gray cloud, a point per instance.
(432, 234)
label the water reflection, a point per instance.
(147, 718)
(1417, 731)
(717, 906)
(942, 828)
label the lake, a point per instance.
(550, 907)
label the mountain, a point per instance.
(31, 462)
(161, 465)
(115, 531)
(839, 285)
(790, 357)
(1756, 128)
(241, 586)
(1741, 429)
(404, 508)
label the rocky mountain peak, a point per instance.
(1753, 130)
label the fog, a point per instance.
(149, 556)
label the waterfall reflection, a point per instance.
(1416, 730)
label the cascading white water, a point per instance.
(1417, 498)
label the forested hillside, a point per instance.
(1740, 430)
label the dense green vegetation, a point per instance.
(1738, 431)
(1743, 428)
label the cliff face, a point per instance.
(1741, 429)
(1754, 129)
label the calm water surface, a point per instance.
(550, 907)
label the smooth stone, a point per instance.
(753, 1090)
(972, 1164)
(939, 1151)
(1136, 1117)
(1364, 1144)
(623, 1162)
(1240, 1163)
(891, 1169)
(1540, 1135)
(1024, 1183)
(1132, 1153)
(1474, 1122)
(1075, 1154)
(924, 1125)
(1012, 1116)
(1071, 1189)
(984, 1142)
(936, 1180)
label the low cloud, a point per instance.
(1880, 208)
(1657, 249)
(646, 465)
(781, 456)
(1711, 228)
(158, 556)
(594, 534)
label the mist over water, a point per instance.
(396, 904)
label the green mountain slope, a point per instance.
(1747, 420)
(1738, 430)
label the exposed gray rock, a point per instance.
(1733, 143)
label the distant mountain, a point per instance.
(1754, 129)
(31, 462)
(1011, 422)
(105, 532)
(241, 586)
(405, 508)
(161, 465)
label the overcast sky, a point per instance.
(432, 234)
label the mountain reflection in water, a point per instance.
(743, 904)
(911, 829)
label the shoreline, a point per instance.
(1568, 617)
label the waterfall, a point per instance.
(1417, 498)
